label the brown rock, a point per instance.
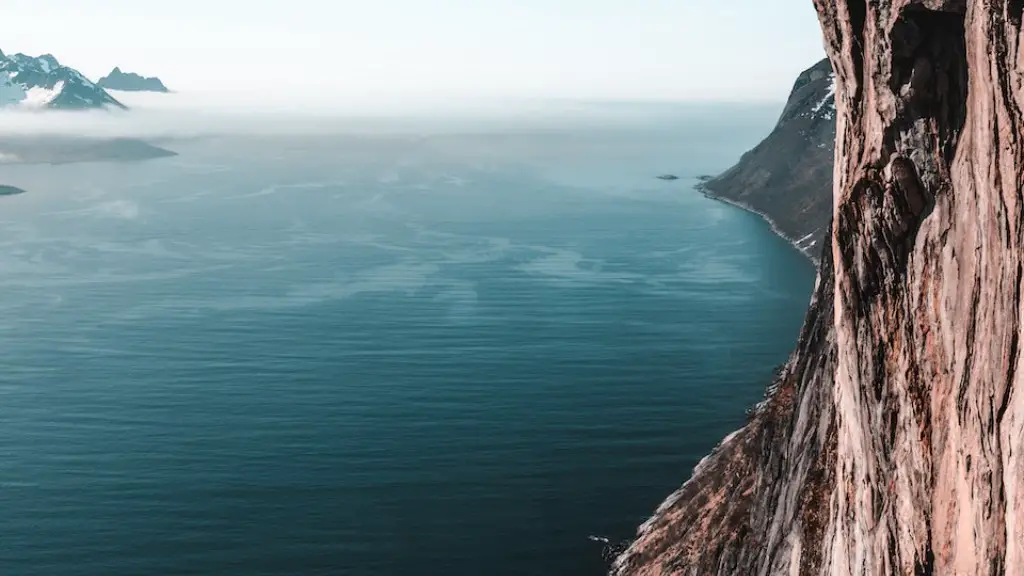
(892, 441)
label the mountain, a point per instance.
(787, 178)
(43, 83)
(131, 82)
(892, 441)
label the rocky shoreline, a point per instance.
(802, 245)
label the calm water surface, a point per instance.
(379, 354)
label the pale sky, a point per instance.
(593, 49)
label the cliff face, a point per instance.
(892, 441)
(788, 176)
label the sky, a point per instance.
(734, 50)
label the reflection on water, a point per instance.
(460, 355)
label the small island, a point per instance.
(47, 149)
(668, 177)
(10, 190)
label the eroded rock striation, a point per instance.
(892, 441)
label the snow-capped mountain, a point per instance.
(131, 82)
(43, 83)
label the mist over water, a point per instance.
(192, 114)
(458, 348)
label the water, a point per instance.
(377, 354)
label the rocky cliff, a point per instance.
(893, 440)
(787, 178)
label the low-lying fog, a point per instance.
(183, 115)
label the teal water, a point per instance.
(379, 354)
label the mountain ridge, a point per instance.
(131, 82)
(42, 82)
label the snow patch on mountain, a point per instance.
(41, 82)
(828, 102)
(40, 97)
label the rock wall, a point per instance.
(892, 441)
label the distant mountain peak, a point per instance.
(49, 58)
(42, 82)
(131, 82)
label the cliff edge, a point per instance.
(892, 441)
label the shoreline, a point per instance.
(771, 222)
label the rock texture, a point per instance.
(787, 178)
(892, 441)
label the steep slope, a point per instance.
(43, 83)
(892, 442)
(131, 82)
(788, 176)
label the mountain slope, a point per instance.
(788, 176)
(131, 82)
(43, 83)
(893, 440)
